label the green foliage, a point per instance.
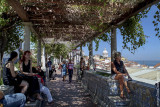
(3, 9)
(10, 29)
(157, 20)
(103, 74)
(133, 35)
(131, 30)
(60, 50)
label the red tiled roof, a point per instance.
(157, 65)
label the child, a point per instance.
(64, 70)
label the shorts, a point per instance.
(113, 76)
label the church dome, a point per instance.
(105, 53)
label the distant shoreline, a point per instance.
(147, 62)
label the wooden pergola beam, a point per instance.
(19, 9)
(74, 2)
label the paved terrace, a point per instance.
(69, 95)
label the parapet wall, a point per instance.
(100, 87)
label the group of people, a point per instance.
(26, 83)
(66, 68)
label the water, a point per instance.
(145, 62)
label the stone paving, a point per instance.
(67, 94)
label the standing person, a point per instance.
(12, 100)
(60, 67)
(49, 65)
(53, 71)
(82, 66)
(64, 70)
(26, 69)
(10, 77)
(70, 70)
(119, 73)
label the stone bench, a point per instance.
(6, 89)
(37, 103)
(116, 101)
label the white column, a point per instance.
(43, 59)
(39, 52)
(60, 59)
(27, 33)
(113, 42)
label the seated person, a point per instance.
(12, 100)
(10, 77)
(43, 89)
(119, 73)
(26, 70)
(41, 72)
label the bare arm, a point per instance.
(114, 68)
(11, 67)
(1, 94)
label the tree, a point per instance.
(10, 29)
(131, 30)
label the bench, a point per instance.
(6, 89)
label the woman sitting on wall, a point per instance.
(119, 73)
(26, 69)
(10, 77)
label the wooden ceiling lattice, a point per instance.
(71, 20)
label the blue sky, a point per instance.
(149, 51)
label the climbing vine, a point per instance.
(157, 20)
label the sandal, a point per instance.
(30, 99)
(122, 96)
(130, 93)
(39, 97)
(50, 103)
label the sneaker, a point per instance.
(50, 103)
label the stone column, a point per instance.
(39, 52)
(113, 42)
(27, 33)
(91, 54)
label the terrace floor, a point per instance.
(67, 94)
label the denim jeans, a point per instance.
(14, 100)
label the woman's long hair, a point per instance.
(13, 55)
(23, 57)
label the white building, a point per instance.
(105, 56)
(105, 53)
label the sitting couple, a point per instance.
(27, 80)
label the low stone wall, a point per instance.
(100, 88)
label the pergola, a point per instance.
(76, 21)
(71, 20)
